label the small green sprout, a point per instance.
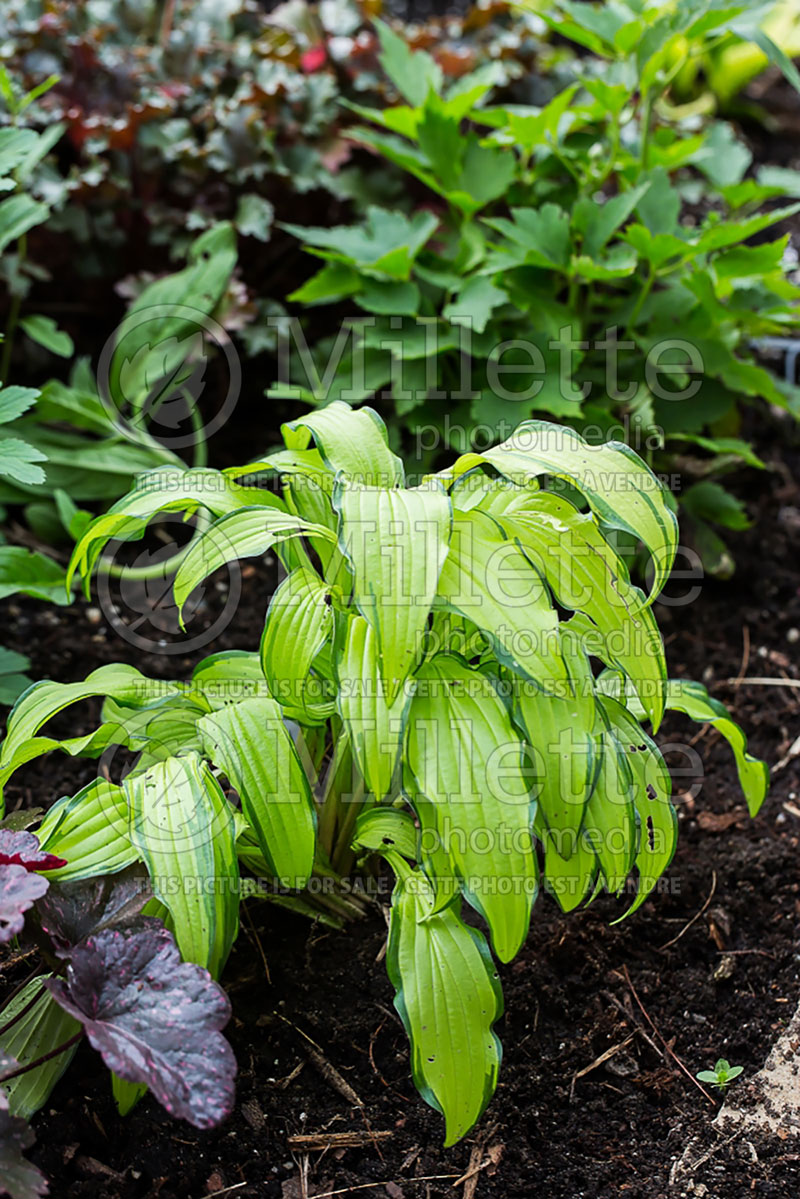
(722, 1075)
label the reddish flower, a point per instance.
(313, 59)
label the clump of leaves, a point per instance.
(590, 259)
(24, 206)
(455, 677)
(79, 442)
(722, 1075)
(191, 112)
(117, 977)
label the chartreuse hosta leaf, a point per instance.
(158, 729)
(299, 622)
(172, 490)
(382, 830)
(449, 998)
(651, 791)
(487, 579)
(560, 730)
(308, 492)
(693, 700)
(229, 675)
(586, 574)
(396, 543)
(619, 488)
(610, 822)
(570, 880)
(182, 826)
(354, 443)
(89, 831)
(45, 699)
(471, 791)
(374, 723)
(250, 743)
(247, 533)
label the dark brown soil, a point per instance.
(637, 1124)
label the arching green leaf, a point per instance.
(560, 732)
(45, 699)
(43, 1027)
(374, 723)
(652, 789)
(90, 831)
(621, 490)
(251, 744)
(585, 574)
(489, 581)
(182, 826)
(162, 490)
(569, 879)
(352, 441)
(693, 700)
(396, 543)
(384, 830)
(230, 675)
(299, 622)
(248, 533)
(473, 795)
(610, 822)
(448, 998)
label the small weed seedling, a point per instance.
(722, 1075)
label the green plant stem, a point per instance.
(640, 301)
(612, 153)
(343, 857)
(200, 448)
(13, 316)
(340, 769)
(39, 1061)
(647, 118)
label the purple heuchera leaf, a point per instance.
(22, 849)
(154, 1018)
(75, 910)
(19, 890)
(18, 1178)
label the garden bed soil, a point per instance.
(707, 968)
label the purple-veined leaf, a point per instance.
(154, 1018)
(22, 849)
(73, 911)
(19, 890)
(18, 1178)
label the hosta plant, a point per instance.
(459, 678)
